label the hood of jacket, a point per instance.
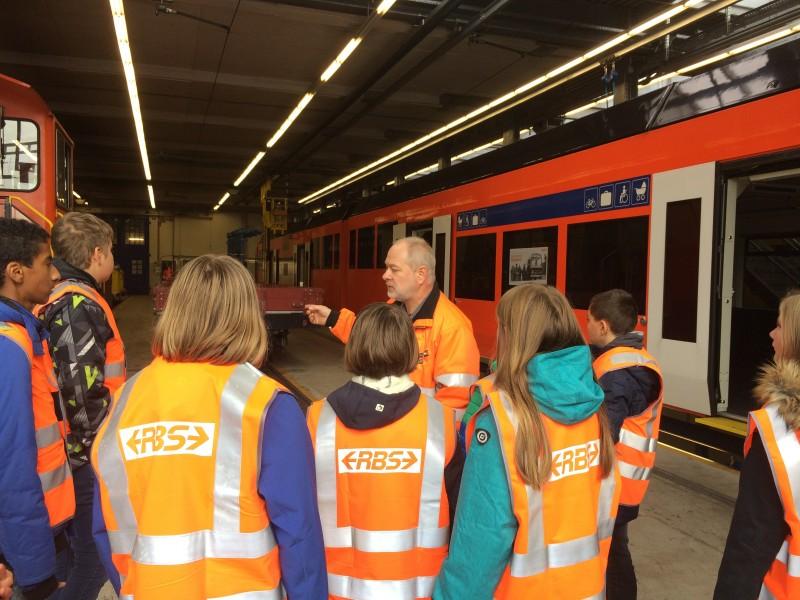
(780, 384)
(632, 339)
(369, 404)
(562, 384)
(11, 312)
(68, 271)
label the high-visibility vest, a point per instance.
(114, 371)
(449, 360)
(564, 535)
(782, 445)
(177, 462)
(638, 437)
(382, 501)
(51, 455)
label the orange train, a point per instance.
(35, 157)
(689, 197)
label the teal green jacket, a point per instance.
(563, 386)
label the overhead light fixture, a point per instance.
(222, 200)
(339, 60)
(121, 29)
(152, 196)
(316, 211)
(384, 7)
(76, 194)
(515, 94)
(249, 168)
(290, 119)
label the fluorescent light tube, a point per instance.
(152, 196)
(339, 60)
(249, 168)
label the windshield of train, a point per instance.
(19, 150)
(63, 170)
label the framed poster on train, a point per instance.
(527, 265)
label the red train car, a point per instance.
(693, 207)
(35, 157)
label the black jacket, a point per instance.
(355, 405)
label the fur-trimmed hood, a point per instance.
(780, 384)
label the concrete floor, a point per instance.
(677, 541)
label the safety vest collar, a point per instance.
(225, 539)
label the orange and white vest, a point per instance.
(382, 501)
(114, 371)
(638, 437)
(51, 455)
(564, 536)
(177, 462)
(782, 445)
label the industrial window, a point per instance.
(327, 252)
(351, 260)
(336, 242)
(385, 234)
(475, 256)
(134, 231)
(366, 248)
(19, 155)
(603, 255)
(529, 256)
(681, 270)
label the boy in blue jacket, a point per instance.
(28, 544)
(611, 320)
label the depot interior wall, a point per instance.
(184, 237)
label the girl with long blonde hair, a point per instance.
(540, 489)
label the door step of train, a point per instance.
(726, 424)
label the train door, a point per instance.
(679, 287)
(441, 250)
(760, 263)
(303, 264)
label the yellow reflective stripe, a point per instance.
(50, 480)
(456, 379)
(636, 441)
(185, 548)
(47, 436)
(397, 589)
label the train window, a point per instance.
(63, 170)
(327, 252)
(336, 242)
(529, 255)
(315, 253)
(475, 266)
(602, 255)
(351, 260)
(366, 248)
(19, 155)
(681, 270)
(384, 241)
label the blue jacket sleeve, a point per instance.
(485, 525)
(101, 541)
(287, 484)
(26, 538)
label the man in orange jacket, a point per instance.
(449, 362)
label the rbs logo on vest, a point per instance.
(379, 460)
(165, 438)
(575, 460)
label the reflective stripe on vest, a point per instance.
(427, 534)
(224, 540)
(456, 379)
(276, 594)
(541, 556)
(349, 587)
(782, 447)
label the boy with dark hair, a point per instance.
(90, 363)
(36, 491)
(633, 387)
